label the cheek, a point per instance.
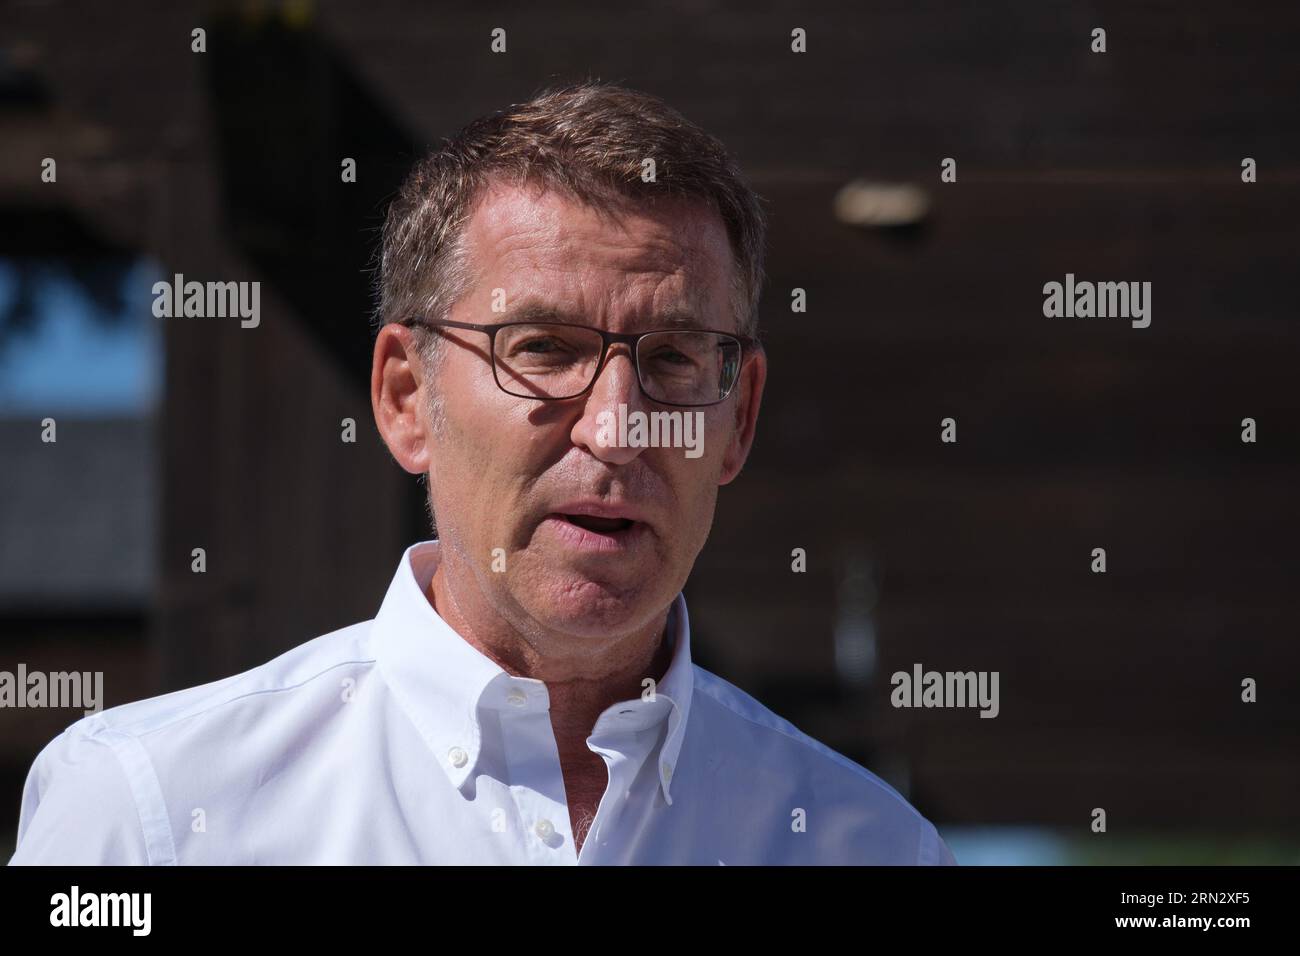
(498, 455)
(719, 432)
(472, 456)
(695, 483)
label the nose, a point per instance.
(597, 429)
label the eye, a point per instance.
(537, 345)
(541, 344)
(671, 356)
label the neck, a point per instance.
(583, 675)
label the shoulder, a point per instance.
(78, 807)
(323, 663)
(94, 794)
(755, 723)
(863, 806)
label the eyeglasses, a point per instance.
(554, 361)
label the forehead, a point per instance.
(674, 255)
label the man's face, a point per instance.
(531, 478)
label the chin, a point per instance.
(580, 605)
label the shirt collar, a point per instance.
(443, 682)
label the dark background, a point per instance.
(1118, 690)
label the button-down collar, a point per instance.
(445, 684)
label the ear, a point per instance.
(397, 397)
(752, 379)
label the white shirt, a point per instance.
(394, 741)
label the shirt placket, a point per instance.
(536, 783)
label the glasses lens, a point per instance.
(688, 368)
(546, 361)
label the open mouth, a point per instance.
(598, 534)
(600, 525)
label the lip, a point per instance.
(582, 539)
(601, 509)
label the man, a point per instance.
(525, 693)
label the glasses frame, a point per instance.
(749, 347)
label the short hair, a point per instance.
(588, 140)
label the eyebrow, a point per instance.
(531, 310)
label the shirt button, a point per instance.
(545, 829)
(517, 698)
(458, 757)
